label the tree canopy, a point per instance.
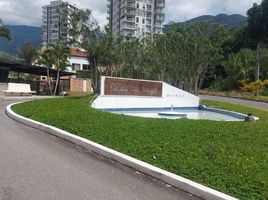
(5, 32)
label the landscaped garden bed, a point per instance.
(231, 157)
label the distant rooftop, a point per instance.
(78, 53)
(31, 69)
(57, 3)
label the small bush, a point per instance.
(83, 74)
(265, 88)
(256, 88)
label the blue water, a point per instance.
(191, 114)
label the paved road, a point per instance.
(35, 165)
(254, 104)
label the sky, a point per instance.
(28, 12)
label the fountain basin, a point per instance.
(200, 113)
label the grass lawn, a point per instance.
(231, 157)
(236, 94)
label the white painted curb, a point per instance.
(165, 176)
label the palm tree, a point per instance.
(5, 32)
(60, 54)
(45, 57)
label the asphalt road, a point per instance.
(35, 165)
(249, 103)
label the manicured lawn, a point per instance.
(228, 156)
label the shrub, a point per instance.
(83, 74)
(256, 88)
(265, 88)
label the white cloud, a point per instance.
(181, 10)
(28, 12)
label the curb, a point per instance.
(157, 173)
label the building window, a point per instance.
(143, 21)
(137, 19)
(138, 5)
(85, 67)
(75, 66)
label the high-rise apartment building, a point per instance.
(136, 18)
(56, 22)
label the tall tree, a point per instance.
(258, 30)
(133, 53)
(45, 58)
(111, 54)
(83, 28)
(60, 57)
(183, 55)
(5, 32)
(264, 64)
(86, 34)
(27, 52)
(239, 68)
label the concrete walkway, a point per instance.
(249, 103)
(35, 165)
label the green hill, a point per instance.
(21, 34)
(32, 34)
(233, 21)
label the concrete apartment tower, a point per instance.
(55, 27)
(55, 22)
(136, 18)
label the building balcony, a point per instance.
(160, 4)
(150, 2)
(126, 20)
(158, 25)
(148, 30)
(160, 18)
(127, 33)
(158, 30)
(159, 11)
(128, 4)
(128, 12)
(128, 1)
(148, 21)
(129, 26)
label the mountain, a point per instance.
(233, 21)
(229, 20)
(21, 34)
(32, 34)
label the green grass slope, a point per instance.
(231, 157)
